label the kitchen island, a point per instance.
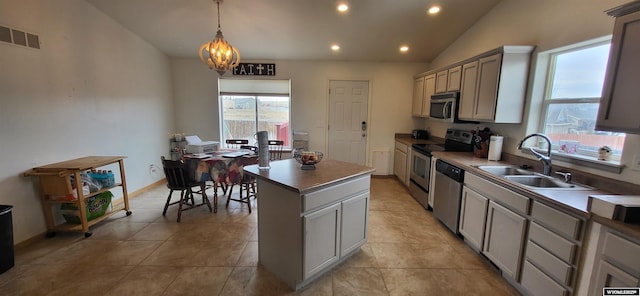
(310, 220)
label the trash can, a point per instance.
(6, 239)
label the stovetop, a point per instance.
(456, 141)
(428, 148)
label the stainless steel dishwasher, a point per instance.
(447, 194)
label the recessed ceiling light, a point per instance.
(342, 7)
(404, 48)
(434, 9)
(335, 47)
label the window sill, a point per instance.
(610, 166)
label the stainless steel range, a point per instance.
(455, 140)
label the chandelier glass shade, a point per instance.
(218, 54)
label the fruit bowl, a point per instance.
(307, 159)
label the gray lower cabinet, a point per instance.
(552, 251)
(503, 239)
(618, 263)
(303, 235)
(473, 214)
(538, 283)
(493, 221)
(354, 223)
(333, 232)
(321, 239)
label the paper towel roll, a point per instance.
(495, 147)
(263, 150)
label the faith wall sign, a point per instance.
(255, 69)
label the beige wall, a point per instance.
(391, 87)
(547, 24)
(93, 89)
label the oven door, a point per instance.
(420, 168)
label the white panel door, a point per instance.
(348, 120)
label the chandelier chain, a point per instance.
(218, 4)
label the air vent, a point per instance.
(19, 37)
(34, 40)
(5, 34)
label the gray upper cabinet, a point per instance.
(493, 85)
(620, 99)
(453, 78)
(448, 80)
(418, 91)
(423, 88)
(441, 81)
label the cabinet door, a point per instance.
(453, 79)
(429, 90)
(321, 239)
(354, 223)
(487, 88)
(473, 213)
(503, 239)
(619, 105)
(441, 81)
(608, 275)
(432, 181)
(407, 164)
(539, 284)
(418, 91)
(468, 90)
(400, 165)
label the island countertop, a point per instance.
(287, 173)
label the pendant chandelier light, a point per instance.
(218, 54)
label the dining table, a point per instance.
(223, 167)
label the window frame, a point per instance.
(583, 157)
(256, 116)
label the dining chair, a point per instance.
(178, 180)
(236, 143)
(249, 147)
(275, 149)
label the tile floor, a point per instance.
(408, 253)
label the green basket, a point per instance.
(96, 206)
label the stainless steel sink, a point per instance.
(504, 170)
(539, 182)
(529, 178)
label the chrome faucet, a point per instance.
(546, 160)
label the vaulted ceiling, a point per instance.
(371, 30)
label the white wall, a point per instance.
(93, 89)
(547, 24)
(391, 88)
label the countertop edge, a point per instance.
(632, 230)
(354, 171)
(520, 189)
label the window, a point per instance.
(575, 78)
(249, 106)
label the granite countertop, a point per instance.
(574, 201)
(287, 173)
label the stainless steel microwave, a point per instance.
(444, 107)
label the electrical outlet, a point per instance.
(152, 168)
(636, 163)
